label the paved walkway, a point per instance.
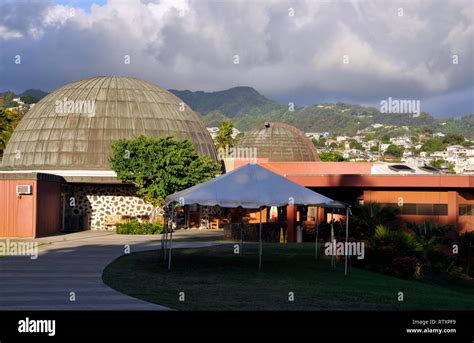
(74, 263)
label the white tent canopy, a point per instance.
(250, 186)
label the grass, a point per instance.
(215, 278)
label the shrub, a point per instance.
(436, 241)
(387, 245)
(428, 230)
(466, 252)
(134, 227)
(368, 216)
(400, 242)
(405, 267)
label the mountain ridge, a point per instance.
(337, 118)
(247, 109)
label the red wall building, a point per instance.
(446, 199)
(30, 215)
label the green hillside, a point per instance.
(247, 109)
(232, 102)
(37, 93)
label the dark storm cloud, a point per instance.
(192, 45)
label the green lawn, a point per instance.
(216, 279)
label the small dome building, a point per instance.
(279, 142)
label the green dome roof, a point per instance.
(55, 135)
(280, 142)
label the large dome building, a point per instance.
(61, 146)
(279, 142)
(74, 127)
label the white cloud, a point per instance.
(6, 34)
(280, 55)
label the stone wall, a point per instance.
(98, 202)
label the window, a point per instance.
(401, 167)
(426, 209)
(408, 209)
(440, 210)
(466, 210)
(430, 169)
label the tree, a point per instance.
(427, 130)
(8, 98)
(453, 138)
(332, 156)
(5, 129)
(395, 150)
(321, 143)
(385, 139)
(224, 137)
(432, 145)
(9, 119)
(442, 164)
(159, 167)
(367, 216)
(369, 136)
(29, 99)
(356, 145)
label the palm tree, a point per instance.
(368, 216)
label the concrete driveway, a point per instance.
(74, 263)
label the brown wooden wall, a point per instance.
(48, 218)
(30, 216)
(17, 214)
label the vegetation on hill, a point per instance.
(233, 102)
(36, 93)
(7, 98)
(332, 156)
(395, 151)
(246, 108)
(29, 99)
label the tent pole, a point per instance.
(347, 237)
(260, 240)
(241, 232)
(171, 238)
(165, 254)
(163, 234)
(333, 258)
(316, 234)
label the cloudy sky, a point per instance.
(300, 51)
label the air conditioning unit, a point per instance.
(24, 189)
